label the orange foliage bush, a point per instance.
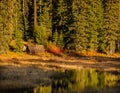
(55, 49)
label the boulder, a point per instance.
(35, 49)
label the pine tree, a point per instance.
(111, 24)
(88, 16)
(58, 39)
(95, 22)
(29, 34)
(55, 37)
(83, 25)
(25, 15)
(118, 38)
(68, 27)
(62, 20)
(41, 35)
(60, 42)
(35, 15)
(18, 26)
(11, 23)
(80, 25)
(43, 20)
(6, 23)
(100, 23)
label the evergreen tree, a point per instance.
(11, 24)
(55, 37)
(118, 38)
(80, 25)
(43, 20)
(60, 42)
(6, 23)
(58, 39)
(18, 26)
(25, 15)
(68, 27)
(62, 19)
(41, 35)
(35, 15)
(95, 23)
(30, 32)
(111, 24)
(88, 16)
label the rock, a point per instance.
(35, 49)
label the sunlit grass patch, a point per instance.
(94, 53)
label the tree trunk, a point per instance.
(35, 15)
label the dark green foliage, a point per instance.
(6, 23)
(18, 27)
(88, 16)
(95, 23)
(62, 20)
(55, 37)
(41, 35)
(100, 25)
(81, 25)
(80, 17)
(60, 42)
(111, 24)
(25, 16)
(58, 39)
(18, 37)
(43, 31)
(28, 34)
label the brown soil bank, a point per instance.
(27, 70)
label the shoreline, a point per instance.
(30, 71)
(54, 62)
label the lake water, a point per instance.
(79, 81)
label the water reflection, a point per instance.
(86, 81)
(81, 81)
(43, 89)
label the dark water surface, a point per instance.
(78, 81)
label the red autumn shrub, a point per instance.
(55, 49)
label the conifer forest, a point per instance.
(79, 25)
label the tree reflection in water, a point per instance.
(83, 81)
(79, 81)
(43, 89)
